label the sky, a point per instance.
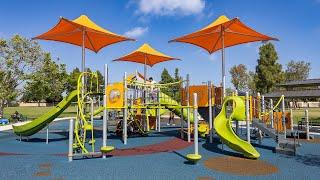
(294, 22)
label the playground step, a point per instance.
(286, 151)
(288, 144)
(270, 132)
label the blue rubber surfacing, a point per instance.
(166, 165)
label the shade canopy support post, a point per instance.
(210, 111)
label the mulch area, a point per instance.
(240, 166)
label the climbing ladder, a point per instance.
(284, 146)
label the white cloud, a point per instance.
(136, 32)
(170, 7)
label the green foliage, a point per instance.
(166, 77)
(73, 80)
(297, 70)
(174, 90)
(239, 77)
(268, 71)
(47, 83)
(251, 83)
(19, 57)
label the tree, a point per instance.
(268, 71)
(251, 83)
(298, 70)
(239, 77)
(18, 57)
(73, 80)
(47, 83)
(166, 77)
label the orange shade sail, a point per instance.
(82, 31)
(146, 55)
(222, 33)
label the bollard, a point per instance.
(71, 127)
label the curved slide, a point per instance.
(42, 121)
(223, 127)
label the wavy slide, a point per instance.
(223, 127)
(42, 121)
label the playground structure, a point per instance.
(138, 107)
(139, 104)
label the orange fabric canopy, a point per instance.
(95, 37)
(223, 33)
(146, 55)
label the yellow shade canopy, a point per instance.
(222, 33)
(145, 54)
(82, 31)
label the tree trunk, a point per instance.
(1, 108)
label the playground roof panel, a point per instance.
(294, 94)
(223, 33)
(71, 31)
(306, 82)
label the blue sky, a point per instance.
(294, 22)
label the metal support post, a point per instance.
(71, 129)
(247, 117)
(125, 109)
(307, 124)
(188, 109)
(284, 119)
(195, 117)
(210, 111)
(271, 114)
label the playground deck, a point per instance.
(157, 156)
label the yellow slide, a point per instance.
(223, 127)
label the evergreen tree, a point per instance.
(268, 71)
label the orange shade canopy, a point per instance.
(145, 54)
(82, 31)
(222, 33)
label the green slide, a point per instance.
(223, 127)
(169, 103)
(42, 121)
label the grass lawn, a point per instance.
(314, 114)
(34, 112)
